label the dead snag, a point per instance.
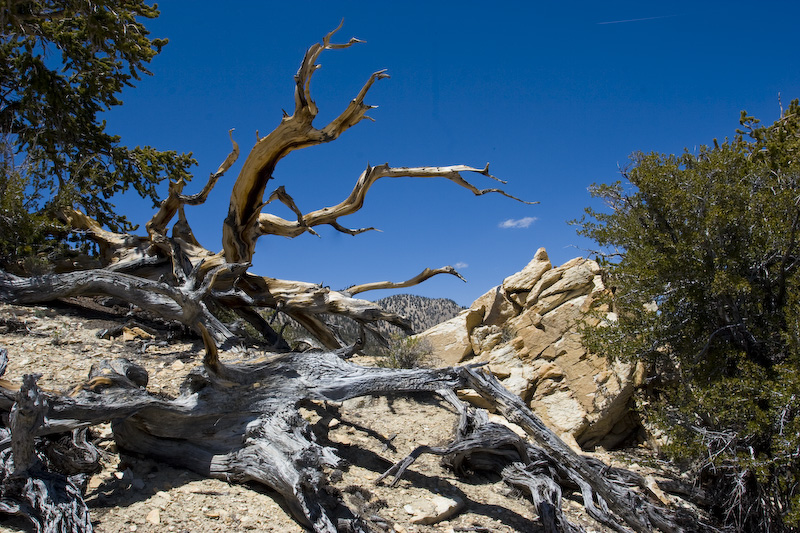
(241, 422)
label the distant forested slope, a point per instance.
(421, 311)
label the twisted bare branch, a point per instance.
(240, 230)
(416, 280)
(175, 200)
(269, 224)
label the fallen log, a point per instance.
(241, 422)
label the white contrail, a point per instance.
(637, 20)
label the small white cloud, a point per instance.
(519, 223)
(461, 264)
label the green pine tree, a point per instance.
(713, 239)
(62, 63)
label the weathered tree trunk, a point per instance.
(241, 422)
(170, 270)
(182, 304)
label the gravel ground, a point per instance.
(135, 493)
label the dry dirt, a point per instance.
(135, 493)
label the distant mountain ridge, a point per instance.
(423, 312)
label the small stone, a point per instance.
(178, 365)
(435, 509)
(497, 419)
(95, 482)
(130, 334)
(569, 440)
(137, 484)
(154, 517)
(472, 397)
(652, 485)
(214, 513)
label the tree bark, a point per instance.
(241, 422)
(30, 486)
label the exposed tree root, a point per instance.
(240, 422)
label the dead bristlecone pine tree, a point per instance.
(241, 422)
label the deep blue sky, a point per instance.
(554, 95)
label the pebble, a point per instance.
(650, 483)
(434, 509)
(178, 365)
(154, 517)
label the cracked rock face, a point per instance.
(527, 330)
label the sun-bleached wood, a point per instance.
(241, 422)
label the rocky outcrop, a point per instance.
(528, 331)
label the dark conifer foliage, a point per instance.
(703, 251)
(62, 64)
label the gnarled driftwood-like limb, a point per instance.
(305, 301)
(163, 299)
(240, 422)
(269, 224)
(49, 500)
(480, 445)
(601, 496)
(416, 280)
(175, 199)
(114, 247)
(293, 133)
(236, 422)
